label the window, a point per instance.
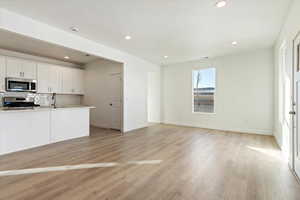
(204, 87)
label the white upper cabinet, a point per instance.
(78, 81)
(49, 78)
(20, 68)
(55, 78)
(13, 67)
(43, 78)
(2, 73)
(72, 81)
(29, 69)
(67, 80)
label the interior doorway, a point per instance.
(104, 90)
(115, 94)
(296, 105)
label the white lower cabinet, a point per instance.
(20, 130)
(69, 123)
(23, 130)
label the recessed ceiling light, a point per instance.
(221, 3)
(234, 43)
(66, 57)
(127, 37)
(166, 56)
(74, 29)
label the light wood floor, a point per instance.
(196, 164)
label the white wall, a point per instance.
(154, 90)
(244, 93)
(135, 69)
(283, 77)
(97, 92)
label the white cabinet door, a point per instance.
(2, 73)
(20, 68)
(61, 80)
(55, 79)
(49, 78)
(78, 81)
(28, 69)
(67, 80)
(69, 123)
(13, 67)
(43, 78)
(23, 130)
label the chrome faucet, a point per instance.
(53, 100)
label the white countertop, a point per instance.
(42, 108)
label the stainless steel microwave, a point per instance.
(20, 85)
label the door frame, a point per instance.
(121, 96)
(294, 116)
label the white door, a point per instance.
(115, 90)
(2, 73)
(296, 109)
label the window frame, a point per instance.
(192, 88)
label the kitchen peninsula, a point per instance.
(28, 128)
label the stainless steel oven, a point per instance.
(20, 85)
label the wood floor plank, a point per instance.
(192, 164)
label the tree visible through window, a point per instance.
(204, 86)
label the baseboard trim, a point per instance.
(96, 126)
(136, 129)
(249, 131)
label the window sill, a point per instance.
(203, 113)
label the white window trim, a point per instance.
(192, 88)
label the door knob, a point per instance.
(292, 113)
(110, 104)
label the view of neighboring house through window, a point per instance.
(204, 86)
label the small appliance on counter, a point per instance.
(18, 103)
